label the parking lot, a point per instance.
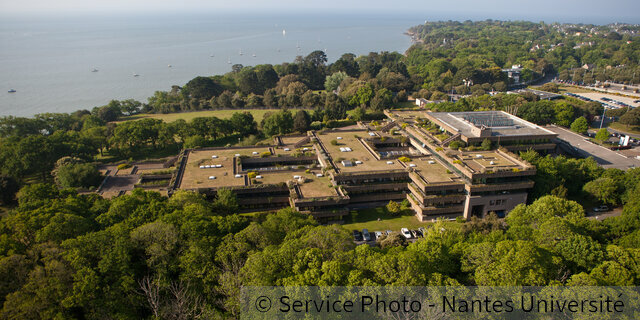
(371, 237)
(610, 100)
(605, 157)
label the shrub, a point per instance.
(457, 161)
(265, 154)
(334, 142)
(124, 166)
(252, 175)
(457, 144)
(394, 208)
(486, 144)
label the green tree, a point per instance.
(602, 135)
(580, 125)
(278, 123)
(202, 88)
(301, 121)
(631, 117)
(486, 144)
(394, 208)
(333, 81)
(243, 123)
(225, 201)
(606, 190)
(76, 175)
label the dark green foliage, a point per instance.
(202, 88)
(78, 175)
(580, 125)
(8, 189)
(225, 201)
(301, 121)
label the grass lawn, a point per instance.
(258, 114)
(625, 128)
(368, 219)
(405, 104)
(572, 89)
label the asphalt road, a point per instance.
(605, 157)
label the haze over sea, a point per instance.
(49, 61)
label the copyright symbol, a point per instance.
(263, 304)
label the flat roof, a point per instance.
(481, 161)
(289, 140)
(194, 177)
(358, 152)
(501, 123)
(316, 187)
(431, 170)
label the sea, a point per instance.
(64, 64)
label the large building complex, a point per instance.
(410, 156)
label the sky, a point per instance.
(547, 10)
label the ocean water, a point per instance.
(49, 61)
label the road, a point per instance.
(605, 157)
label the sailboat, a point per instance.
(94, 70)
(254, 55)
(229, 61)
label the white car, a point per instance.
(406, 233)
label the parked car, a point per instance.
(601, 209)
(388, 232)
(357, 236)
(378, 234)
(405, 232)
(366, 235)
(418, 233)
(423, 230)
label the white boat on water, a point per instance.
(254, 55)
(229, 61)
(284, 32)
(240, 53)
(169, 66)
(136, 75)
(12, 90)
(94, 70)
(212, 56)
